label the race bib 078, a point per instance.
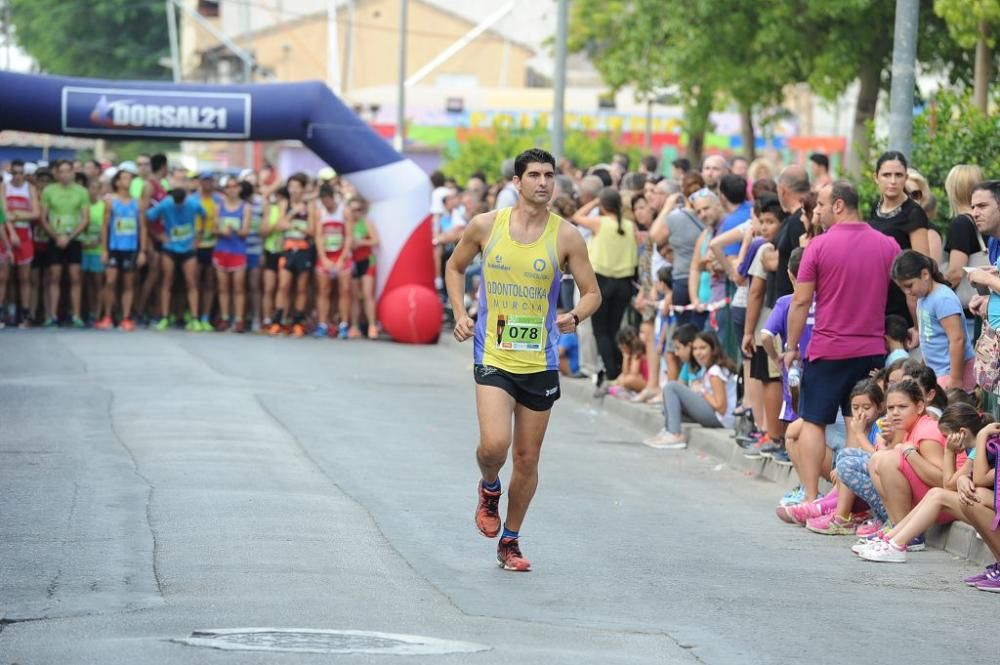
(519, 333)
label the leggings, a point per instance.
(615, 295)
(852, 469)
(678, 399)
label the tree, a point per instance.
(98, 38)
(972, 24)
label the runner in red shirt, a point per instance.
(21, 201)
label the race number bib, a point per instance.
(65, 223)
(181, 233)
(126, 226)
(334, 242)
(234, 223)
(519, 333)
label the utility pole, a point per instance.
(175, 55)
(400, 139)
(332, 48)
(904, 59)
(559, 80)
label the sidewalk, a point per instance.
(958, 539)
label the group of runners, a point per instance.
(87, 244)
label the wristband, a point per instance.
(576, 319)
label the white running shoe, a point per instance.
(883, 552)
(665, 440)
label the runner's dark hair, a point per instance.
(114, 181)
(300, 178)
(325, 191)
(157, 161)
(533, 155)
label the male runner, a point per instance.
(153, 192)
(177, 215)
(21, 199)
(65, 215)
(516, 336)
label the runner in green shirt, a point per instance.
(65, 216)
(272, 253)
(93, 268)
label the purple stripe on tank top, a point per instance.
(993, 449)
(479, 337)
(551, 332)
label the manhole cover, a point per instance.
(301, 640)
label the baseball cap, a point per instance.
(326, 173)
(128, 166)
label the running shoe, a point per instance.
(78, 323)
(105, 324)
(772, 448)
(373, 332)
(793, 497)
(298, 330)
(162, 325)
(50, 323)
(665, 440)
(752, 450)
(883, 551)
(222, 326)
(803, 512)
(869, 528)
(239, 327)
(322, 330)
(992, 585)
(128, 325)
(275, 329)
(992, 572)
(831, 524)
(204, 326)
(918, 544)
(343, 331)
(488, 512)
(781, 457)
(509, 556)
(354, 333)
(192, 326)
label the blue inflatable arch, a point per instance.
(398, 190)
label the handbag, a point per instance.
(980, 259)
(987, 362)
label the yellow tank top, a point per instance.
(613, 254)
(516, 329)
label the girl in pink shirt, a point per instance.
(905, 472)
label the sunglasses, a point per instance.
(916, 194)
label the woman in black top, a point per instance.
(899, 217)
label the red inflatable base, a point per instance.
(411, 314)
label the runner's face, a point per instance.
(17, 175)
(986, 212)
(143, 166)
(902, 413)
(232, 190)
(891, 179)
(538, 183)
(65, 173)
(294, 189)
(124, 182)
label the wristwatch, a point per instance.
(576, 319)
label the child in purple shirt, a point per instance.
(775, 332)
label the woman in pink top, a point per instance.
(906, 471)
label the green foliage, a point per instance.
(486, 154)
(965, 16)
(950, 131)
(98, 38)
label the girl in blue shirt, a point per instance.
(121, 238)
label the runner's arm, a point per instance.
(578, 261)
(245, 227)
(43, 219)
(373, 239)
(84, 222)
(466, 250)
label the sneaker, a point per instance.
(354, 333)
(78, 323)
(665, 440)
(793, 497)
(781, 457)
(192, 326)
(488, 512)
(992, 571)
(509, 556)
(322, 330)
(372, 332)
(275, 329)
(222, 326)
(884, 551)
(343, 331)
(918, 544)
(298, 330)
(831, 524)
(753, 449)
(991, 584)
(50, 323)
(772, 448)
(162, 324)
(863, 544)
(239, 327)
(869, 528)
(105, 324)
(128, 325)
(803, 512)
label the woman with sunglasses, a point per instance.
(901, 218)
(918, 189)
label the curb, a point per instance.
(958, 538)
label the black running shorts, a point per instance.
(537, 391)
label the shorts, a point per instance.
(122, 260)
(179, 258)
(763, 368)
(229, 261)
(25, 252)
(92, 263)
(827, 386)
(272, 261)
(333, 258)
(72, 254)
(919, 489)
(205, 256)
(537, 391)
(297, 261)
(253, 261)
(41, 256)
(738, 315)
(360, 268)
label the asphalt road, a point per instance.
(152, 485)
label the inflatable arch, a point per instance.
(398, 190)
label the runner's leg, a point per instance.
(529, 431)
(239, 279)
(167, 281)
(495, 409)
(190, 270)
(75, 290)
(55, 281)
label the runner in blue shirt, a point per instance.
(178, 213)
